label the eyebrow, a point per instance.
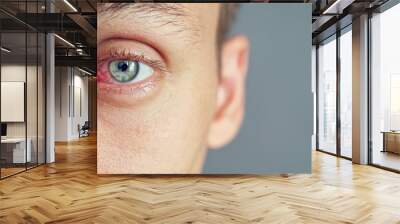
(167, 8)
(175, 15)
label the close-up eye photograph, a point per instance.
(239, 111)
(177, 82)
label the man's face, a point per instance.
(157, 86)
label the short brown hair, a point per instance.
(226, 17)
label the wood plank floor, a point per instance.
(69, 191)
(10, 171)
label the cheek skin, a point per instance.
(117, 97)
(166, 135)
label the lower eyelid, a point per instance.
(140, 89)
(130, 91)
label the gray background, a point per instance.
(276, 132)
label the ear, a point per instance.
(231, 92)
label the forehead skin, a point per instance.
(179, 17)
(186, 23)
(166, 133)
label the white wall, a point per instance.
(80, 103)
(62, 81)
(71, 94)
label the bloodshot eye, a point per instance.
(129, 71)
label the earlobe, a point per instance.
(231, 92)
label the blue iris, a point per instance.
(124, 70)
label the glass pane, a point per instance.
(327, 96)
(31, 98)
(346, 93)
(386, 89)
(13, 87)
(32, 88)
(41, 98)
(23, 88)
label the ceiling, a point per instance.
(74, 22)
(331, 15)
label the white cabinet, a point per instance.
(19, 155)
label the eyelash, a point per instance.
(126, 54)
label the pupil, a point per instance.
(123, 66)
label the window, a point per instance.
(327, 95)
(385, 89)
(346, 92)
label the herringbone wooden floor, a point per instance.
(69, 191)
